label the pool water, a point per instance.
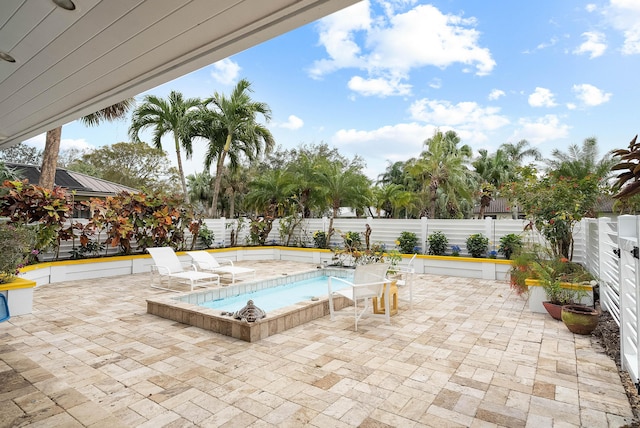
(270, 299)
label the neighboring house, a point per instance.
(82, 187)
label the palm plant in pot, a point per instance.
(557, 295)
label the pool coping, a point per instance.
(184, 307)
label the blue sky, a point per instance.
(378, 78)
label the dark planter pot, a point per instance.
(553, 309)
(580, 319)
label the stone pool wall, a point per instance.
(184, 308)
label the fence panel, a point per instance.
(629, 273)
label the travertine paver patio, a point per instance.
(469, 354)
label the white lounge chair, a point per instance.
(369, 281)
(168, 265)
(205, 261)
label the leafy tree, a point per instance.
(52, 142)
(170, 116)
(21, 153)
(136, 165)
(580, 161)
(236, 118)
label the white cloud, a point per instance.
(495, 94)
(591, 7)
(594, 45)
(392, 46)
(590, 95)
(293, 122)
(225, 71)
(536, 131)
(386, 144)
(624, 15)
(542, 97)
(470, 120)
(39, 142)
(379, 86)
(435, 83)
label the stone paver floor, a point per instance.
(469, 354)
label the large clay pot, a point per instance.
(553, 309)
(580, 319)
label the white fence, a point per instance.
(384, 231)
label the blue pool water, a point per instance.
(270, 299)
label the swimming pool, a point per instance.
(270, 299)
(188, 309)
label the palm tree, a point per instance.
(52, 143)
(199, 187)
(494, 171)
(236, 118)
(442, 170)
(520, 151)
(578, 162)
(167, 116)
(343, 186)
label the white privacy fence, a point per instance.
(384, 231)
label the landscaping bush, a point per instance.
(407, 241)
(352, 240)
(16, 243)
(437, 243)
(510, 244)
(319, 239)
(477, 245)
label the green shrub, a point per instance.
(319, 239)
(477, 245)
(437, 243)
(407, 241)
(352, 240)
(510, 244)
(206, 235)
(16, 244)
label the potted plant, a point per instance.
(552, 274)
(477, 245)
(580, 319)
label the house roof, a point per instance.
(70, 63)
(82, 184)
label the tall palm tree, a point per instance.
(442, 170)
(580, 161)
(172, 115)
(236, 117)
(520, 151)
(494, 171)
(343, 186)
(52, 142)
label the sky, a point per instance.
(377, 79)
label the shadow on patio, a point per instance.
(469, 354)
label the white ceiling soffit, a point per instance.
(72, 63)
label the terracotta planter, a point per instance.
(553, 309)
(580, 319)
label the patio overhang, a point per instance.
(70, 63)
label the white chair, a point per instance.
(406, 274)
(168, 265)
(369, 281)
(204, 261)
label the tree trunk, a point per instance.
(218, 180)
(181, 171)
(50, 158)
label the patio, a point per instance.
(469, 354)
